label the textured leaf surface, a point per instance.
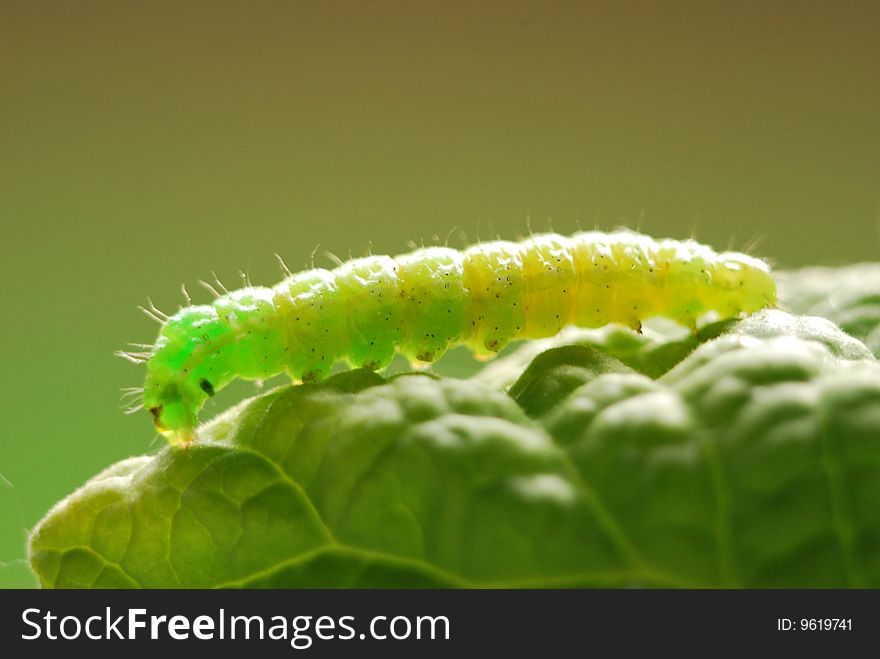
(747, 455)
(848, 296)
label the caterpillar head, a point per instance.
(184, 369)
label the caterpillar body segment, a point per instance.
(433, 295)
(423, 302)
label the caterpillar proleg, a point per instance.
(421, 303)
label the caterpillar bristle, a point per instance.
(335, 259)
(219, 283)
(213, 291)
(284, 269)
(185, 294)
(133, 357)
(149, 314)
(130, 392)
(449, 235)
(161, 314)
(752, 245)
(245, 278)
(142, 346)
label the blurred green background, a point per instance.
(143, 145)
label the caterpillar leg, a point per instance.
(635, 324)
(183, 439)
(483, 356)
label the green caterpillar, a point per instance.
(433, 298)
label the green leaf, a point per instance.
(849, 296)
(554, 374)
(745, 455)
(653, 351)
(753, 463)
